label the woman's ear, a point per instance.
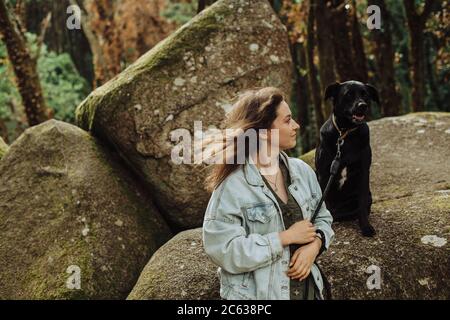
(332, 91)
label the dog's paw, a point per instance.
(368, 230)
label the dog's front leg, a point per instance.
(364, 201)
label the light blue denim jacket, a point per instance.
(241, 231)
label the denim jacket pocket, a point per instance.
(311, 203)
(261, 218)
(261, 212)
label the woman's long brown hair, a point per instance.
(255, 109)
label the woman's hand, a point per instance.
(303, 259)
(301, 232)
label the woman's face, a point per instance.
(287, 127)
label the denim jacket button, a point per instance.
(284, 287)
(295, 188)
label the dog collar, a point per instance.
(342, 133)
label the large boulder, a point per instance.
(410, 183)
(180, 269)
(193, 75)
(3, 148)
(309, 158)
(68, 209)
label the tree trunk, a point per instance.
(384, 55)
(25, 68)
(104, 39)
(418, 68)
(416, 24)
(325, 50)
(342, 44)
(301, 94)
(431, 73)
(312, 72)
(358, 47)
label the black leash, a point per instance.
(333, 171)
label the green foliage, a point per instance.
(7, 90)
(63, 87)
(400, 43)
(179, 13)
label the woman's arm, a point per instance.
(301, 232)
(303, 259)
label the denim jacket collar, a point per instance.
(253, 176)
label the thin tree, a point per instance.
(24, 65)
(293, 16)
(358, 47)
(312, 71)
(325, 50)
(416, 24)
(342, 41)
(431, 70)
(384, 56)
(302, 98)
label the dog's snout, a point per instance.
(362, 105)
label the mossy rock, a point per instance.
(179, 270)
(309, 158)
(193, 75)
(3, 148)
(67, 205)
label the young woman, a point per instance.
(256, 226)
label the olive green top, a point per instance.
(291, 211)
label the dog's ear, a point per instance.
(373, 93)
(332, 91)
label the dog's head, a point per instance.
(351, 99)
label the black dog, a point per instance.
(349, 196)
